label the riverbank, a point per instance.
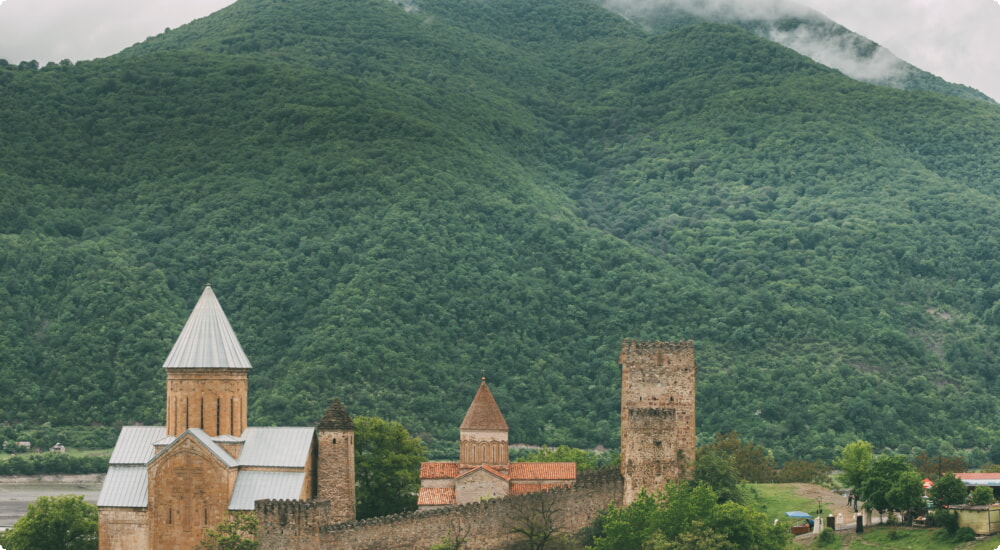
(17, 492)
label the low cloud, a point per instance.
(841, 52)
(820, 40)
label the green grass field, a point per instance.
(775, 499)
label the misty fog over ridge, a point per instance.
(790, 24)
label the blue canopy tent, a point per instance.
(802, 515)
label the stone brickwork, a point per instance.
(189, 491)
(658, 414)
(335, 463)
(213, 400)
(291, 524)
(478, 485)
(485, 525)
(122, 528)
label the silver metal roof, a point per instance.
(254, 485)
(125, 486)
(207, 340)
(135, 444)
(276, 447)
(206, 441)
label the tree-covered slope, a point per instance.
(392, 200)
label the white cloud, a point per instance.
(958, 40)
(52, 30)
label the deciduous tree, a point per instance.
(948, 490)
(55, 523)
(387, 462)
(237, 532)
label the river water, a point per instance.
(16, 492)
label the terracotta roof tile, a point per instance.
(438, 470)
(484, 414)
(542, 470)
(431, 496)
(526, 488)
(977, 475)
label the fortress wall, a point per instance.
(485, 525)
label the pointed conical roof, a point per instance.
(207, 340)
(484, 414)
(336, 418)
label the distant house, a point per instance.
(57, 448)
(25, 444)
(973, 480)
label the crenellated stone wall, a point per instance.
(291, 524)
(485, 525)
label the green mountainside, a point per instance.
(393, 200)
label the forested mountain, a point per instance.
(392, 200)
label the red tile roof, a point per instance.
(977, 475)
(438, 470)
(484, 414)
(430, 496)
(542, 470)
(525, 488)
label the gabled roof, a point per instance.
(485, 468)
(336, 418)
(484, 414)
(207, 340)
(436, 496)
(531, 471)
(254, 485)
(438, 470)
(204, 440)
(276, 447)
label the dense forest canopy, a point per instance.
(393, 199)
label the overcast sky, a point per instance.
(958, 40)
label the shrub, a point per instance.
(965, 534)
(946, 519)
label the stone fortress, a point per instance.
(167, 484)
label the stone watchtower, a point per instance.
(658, 406)
(335, 462)
(207, 374)
(482, 437)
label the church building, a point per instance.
(484, 470)
(167, 484)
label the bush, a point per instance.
(965, 534)
(982, 496)
(946, 519)
(827, 537)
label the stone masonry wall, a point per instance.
(658, 414)
(335, 473)
(485, 525)
(291, 524)
(122, 528)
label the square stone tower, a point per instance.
(658, 407)
(335, 468)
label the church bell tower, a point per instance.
(207, 374)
